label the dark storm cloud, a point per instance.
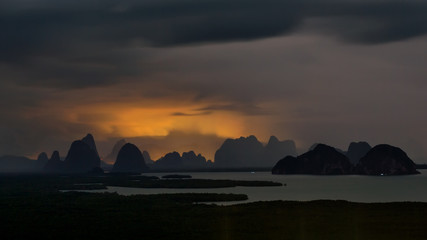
(78, 44)
(73, 72)
(371, 22)
(72, 44)
(54, 29)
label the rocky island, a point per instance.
(386, 160)
(322, 160)
(383, 159)
(130, 159)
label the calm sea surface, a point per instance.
(308, 187)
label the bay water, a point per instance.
(354, 188)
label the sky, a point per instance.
(180, 75)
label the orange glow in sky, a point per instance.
(174, 125)
(123, 121)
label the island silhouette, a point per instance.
(241, 153)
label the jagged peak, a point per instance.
(90, 141)
(42, 157)
(252, 137)
(88, 137)
(55, 156)
(192, 153)
(273, 140)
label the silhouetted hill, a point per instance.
(188, 160)
(147, 158)
(81, 158)
(130, 159)
(249, 152)
(240, 152)
(384, 159)
(90, 141)
(356, 150)
(312, 147)
(287, 165)
(191, 160)
(54, 165)
(42, 159)
(10, 163)
(421, 166)
(112, 157)
(322, 160)
(276, 150)
(210, 164)
(170, 160)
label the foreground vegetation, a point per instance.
(33, 208)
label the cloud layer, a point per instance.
(328, 71)
(75, 44)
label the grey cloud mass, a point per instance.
(78, 44)
(330, 71)
(52, 27)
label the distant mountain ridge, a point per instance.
(356, 150)
(42, 159)
(188, 160)
(54, 164)
(249, 152)
(82, 157)
(239, 153)
(111, 158)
